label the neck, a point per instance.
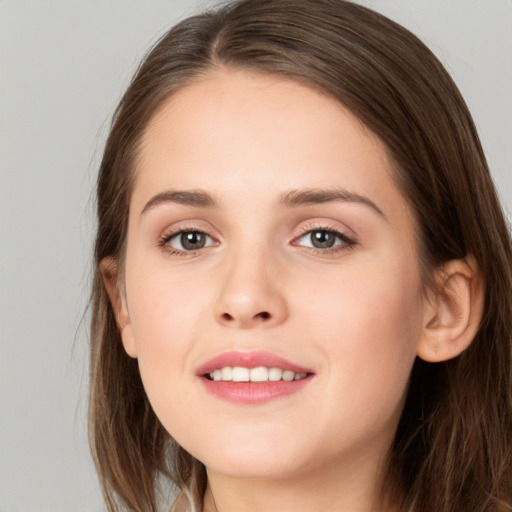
(330, 490)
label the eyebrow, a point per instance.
(292, 199)
(305, 197)
(186, 197)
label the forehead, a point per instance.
(250, 98)
(231, 132)
(226, 111)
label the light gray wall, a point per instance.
(63, 65)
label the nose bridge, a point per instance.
(249, 292)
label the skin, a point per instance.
(355, 314)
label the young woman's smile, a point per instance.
(272, 283)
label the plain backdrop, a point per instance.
(63, 67)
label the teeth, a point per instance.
(240, 374)
(288, 375)
(227, 373)
(275, 374)
(259, 374)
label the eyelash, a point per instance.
(167, 237)
(346, 241)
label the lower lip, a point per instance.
(253, 392)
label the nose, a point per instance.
(250, 293)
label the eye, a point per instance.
(324, 239)
(187, 241)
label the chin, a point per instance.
(249, 459)
(258, 468)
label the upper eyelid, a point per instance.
(171, 234)
(328, 229)
(189, 225)
(326, 225)
(343, 235)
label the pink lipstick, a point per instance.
(252, 377)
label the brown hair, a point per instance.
(452, 451)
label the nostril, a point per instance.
(229, 318)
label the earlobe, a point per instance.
(109, 269)
(452, 312)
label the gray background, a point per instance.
(63, 66)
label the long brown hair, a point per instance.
(453, 447)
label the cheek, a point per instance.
(165, 306)
(368, 325)
(373, 306)
(165, 319)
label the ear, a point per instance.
(109, 269)
(452, 312)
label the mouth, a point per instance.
(252, 377)
(258, 374)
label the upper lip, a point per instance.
(249, 360)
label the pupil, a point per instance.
(323, 239)
(192, 240)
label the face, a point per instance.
(268, 243)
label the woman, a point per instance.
(303, 290)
